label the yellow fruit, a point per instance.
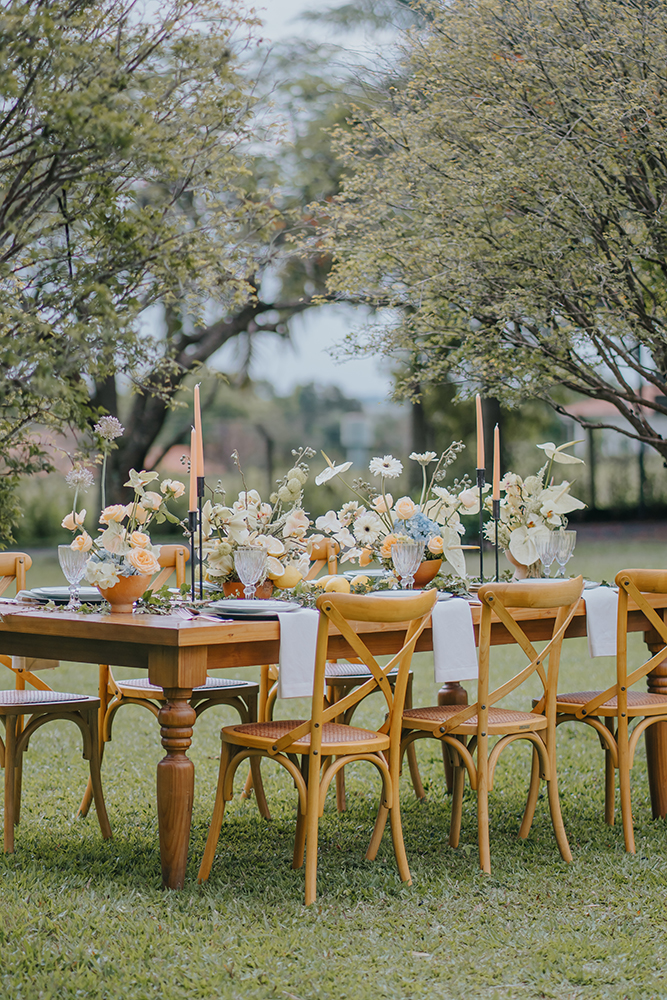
(290, 578)
(322, 581)
(360, 581)
(338, 585)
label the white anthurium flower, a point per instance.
(557, 500)
(330, 472)
(351, 554)
(345, 537)
(557, 454)
(452, 551)
(328, 522)
(522, 543)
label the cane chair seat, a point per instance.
(142, 686)
(336, 737)
(639, 702)
(500, 720)
(22, 702)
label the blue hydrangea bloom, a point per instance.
(420, 527)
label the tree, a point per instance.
(122, 171)
(505, 202)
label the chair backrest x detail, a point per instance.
(343, 611)
(172, 557)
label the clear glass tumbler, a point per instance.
(250, 564)
(565, 542)
(407, 557)
(73, 564)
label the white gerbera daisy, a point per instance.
(367, 529)
(425, 458)
(387, 467)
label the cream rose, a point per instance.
(385, 550)
(116, 512)
(82, 543)
(137, 512)
(139, 540)
(173, 486)
(151, 500)
(73, 520)
(405, 508)
(435, 545)
(143, 560)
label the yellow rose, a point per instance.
(405, 508)
(143, 560)
(82, 543)
(385, 551)
(435, 545)
(73, 520)
(116, 512)
(139, 540)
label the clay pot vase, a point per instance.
(234, 588)
(427, 571)
(129, 589)
(523, 572)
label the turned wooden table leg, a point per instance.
(450, 693)
(175, 785)
(656, 739)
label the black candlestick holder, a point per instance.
(496, 518)
(200, 502)
(192, 527)
(481, 479)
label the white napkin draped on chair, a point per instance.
(298, 639)
(601, 613)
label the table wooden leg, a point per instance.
(175, 785)
(450, 693)
(656, 742)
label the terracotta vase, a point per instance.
(234, 588)
(523, 572)
(129, 589)
(427, 571)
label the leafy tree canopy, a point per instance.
(506, 202)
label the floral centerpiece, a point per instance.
(366, 528)
(279, 526)
(534, 506)
(123, 547)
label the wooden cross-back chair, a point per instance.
(466, 730)
(40, 704)
(341, 677)
(612, 713)
(323, 744)
(114, 693)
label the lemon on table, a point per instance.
(361, 580)
(289, 578)
(337, 585)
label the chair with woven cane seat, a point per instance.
(114, 694)
(611, 712)
(324, 745)
(466, 730)
(341, 677)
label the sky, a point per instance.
(319, 330)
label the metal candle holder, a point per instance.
(496, 518)
(200, 501)
(192, 527)
(481, 479)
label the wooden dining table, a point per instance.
(177, 653)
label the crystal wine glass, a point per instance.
(565, 542)
(73, 564)
(546, 550)
(250, 564)
(406, 557)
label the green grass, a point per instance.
(83, 918)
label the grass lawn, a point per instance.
(83, 918)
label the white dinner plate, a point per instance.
(240, 609)
(87, 595)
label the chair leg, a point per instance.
(18, 785)
(96, 778)
(378, 830)
(10, 782)
(103, 694)
(341, 804)
(483, 805)
(624, 780)
(217, 817)
(255, 777)
(458, 784)
(609, 780)
(397, 839)
(299, 838)
(312, 831)
(411, 751)
(531, 801)
(556, 816)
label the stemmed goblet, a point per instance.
(565, 542)
(250, 564)
(546, 550)
(407, 557)
(73, 563)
